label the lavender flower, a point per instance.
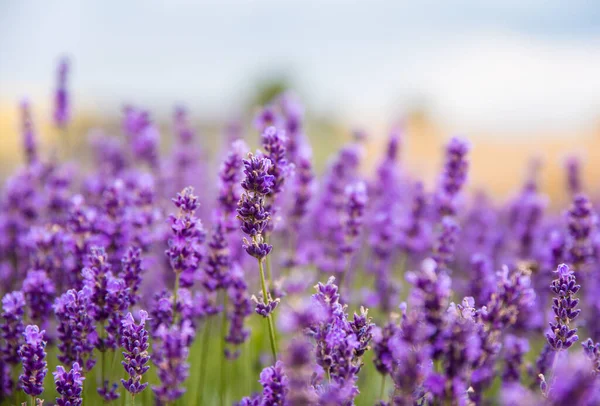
(273, 141)
(561, 335)
(62, 112)
(76, 331)
(275, 387)
(251, 207)
(170, 355)
(38, 291)
(298, 368)
(33, 357)
(356, 195)
(514, 350)
(581, 223)
(135, 345)
(592, 351)
(131, 273)
(230, 176)
(383, 359)
(241, 308)
(453, 177)
(28, 132)
(445, 244)
(185, 246)
(218, 261)
(416, 234)
(69, 385)
(13, 305)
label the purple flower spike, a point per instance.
(131, 273)
(28, 132)
(356, 195)
(38, 290)
(33, 357)
(76, 331)
(453, 177)
(62, 112)
(274, 384)
(69, 385)
(252, 211)
(185, 251)
(135, 344)
(446, 243)
(230, 176)
(592, 350)
(581, 223)
(170, 355)
(561, 335)
(514, 350)
(11, 330)
(274, 141)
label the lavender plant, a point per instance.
(84, 247)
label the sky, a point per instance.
(495, 65)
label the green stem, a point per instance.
(32, 400)
(382, 390)
(132, 399)
(222, 388)
(175, 291)
(268, 264)
(267, 299)
(204, 359)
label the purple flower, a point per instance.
(573, 167)
(339, 343)
(561, 335)
(131, 273)
(230, 176)
(266, 117)
(62, 112)
(356, 195)
(13, 305)
(134, 341)
(431, 295)
(218, 261)
(415, 237)
(143, 136)
(302, 190)
(453, 177)
(581, 224)
(77, 336)
(69, 385)
(240, 309)
(265, 309)
(273, 142)
(445, 245)
(171, 349)
(275, 385)
(592, 350)
(298, 368)
(38, 291)
(251, 207)
(28, 133)
(382, 358)
(185, 251)
(514, 350)
(33, 357)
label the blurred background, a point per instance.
(519, 79)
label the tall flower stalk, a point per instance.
(254, 216)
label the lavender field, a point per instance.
(243, 276)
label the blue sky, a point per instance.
(489, 65)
